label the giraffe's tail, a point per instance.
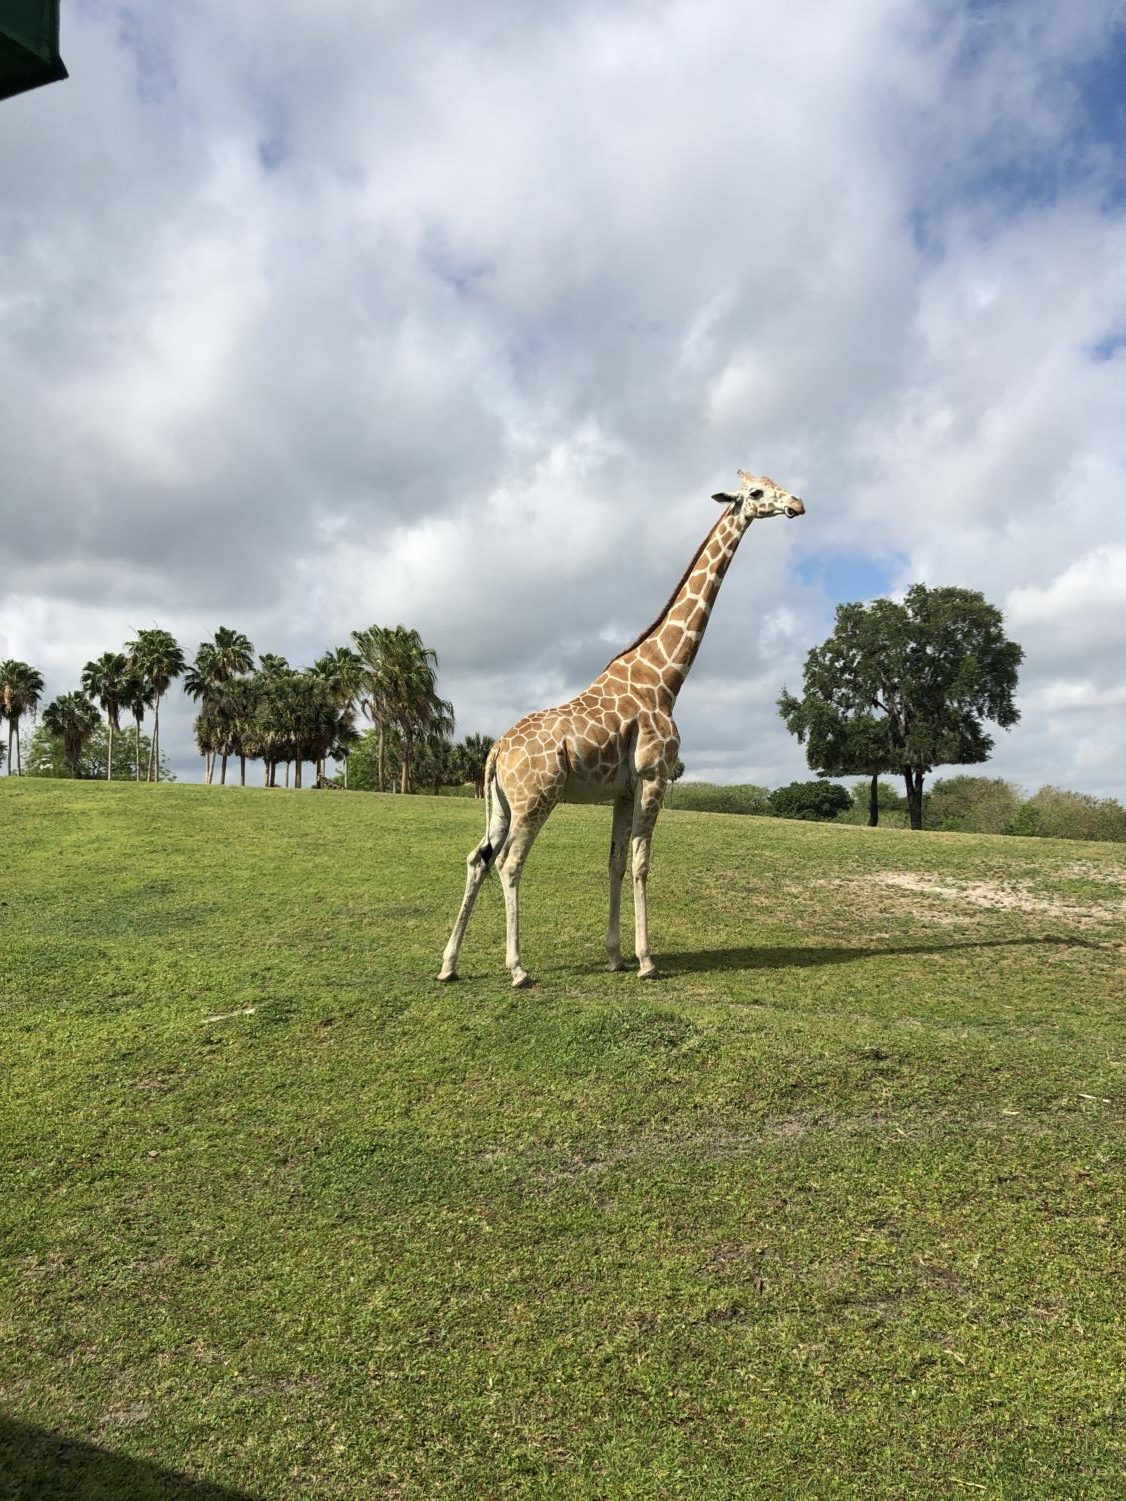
(486, 853)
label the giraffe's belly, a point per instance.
(578, 790)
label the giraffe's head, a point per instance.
(758, 496)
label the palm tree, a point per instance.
(347, 735)
(341, 670)
(103, 680)
(376, 685)
(74, 719)
(137, 696)
(399, 688)
(276, 722)
(158, 656)
(21, 686)
(197, 685)
(229, 655)
(217, 663)
(474, 752)
(437, 758)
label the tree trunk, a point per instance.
(19, 758)
(242, 771)
(208, 766)
(137, 756)
(345, 773)
(223, 771)
(382, 763)
(287, 774)
(154, 748)
(296, 775)
(109, 751)
(913, 776)
(874, 803)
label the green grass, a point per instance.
(835, 1210)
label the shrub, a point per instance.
(813, 801)
(972, 805)
(706, 797)
(1058, 814)
(892, 805)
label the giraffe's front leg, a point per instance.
(650, 795)
(619, 853)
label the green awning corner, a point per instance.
(29, 45)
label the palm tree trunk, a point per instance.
(19, 758)
(109, 752)
(242, 771)
(223, 771)
(874, 803)
(382, 762)
(154, 747)
(137, 757)
(345, 773)
(297, 774)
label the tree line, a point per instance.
(900, 687)
(253, 710)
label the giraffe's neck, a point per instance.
(658, 662)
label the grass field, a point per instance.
(834, 1210)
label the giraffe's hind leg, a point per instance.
(510, 864)
(479, 862)
(619, 855)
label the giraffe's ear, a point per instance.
(725, 499)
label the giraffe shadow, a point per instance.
(38, 1462)
(701, 961)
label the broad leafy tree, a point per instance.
(906, 686)
(157, 656)
(74, 719)
(104, 681)
(21, 687)
(46, 756)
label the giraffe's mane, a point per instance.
(668, 604)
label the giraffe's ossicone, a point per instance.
(616, 742)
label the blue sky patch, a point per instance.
(845, 576)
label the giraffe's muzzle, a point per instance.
(795, 509)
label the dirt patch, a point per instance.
(1092, 870)
(1012, 896)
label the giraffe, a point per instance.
(616, 742)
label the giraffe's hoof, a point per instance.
(447, 975)
(649, 973)
(521, 980)
(616, 966)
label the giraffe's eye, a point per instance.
(757, 494)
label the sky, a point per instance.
(321, 315)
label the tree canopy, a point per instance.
(904, 686)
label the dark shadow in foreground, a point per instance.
(808, 958)
(38, 1465)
